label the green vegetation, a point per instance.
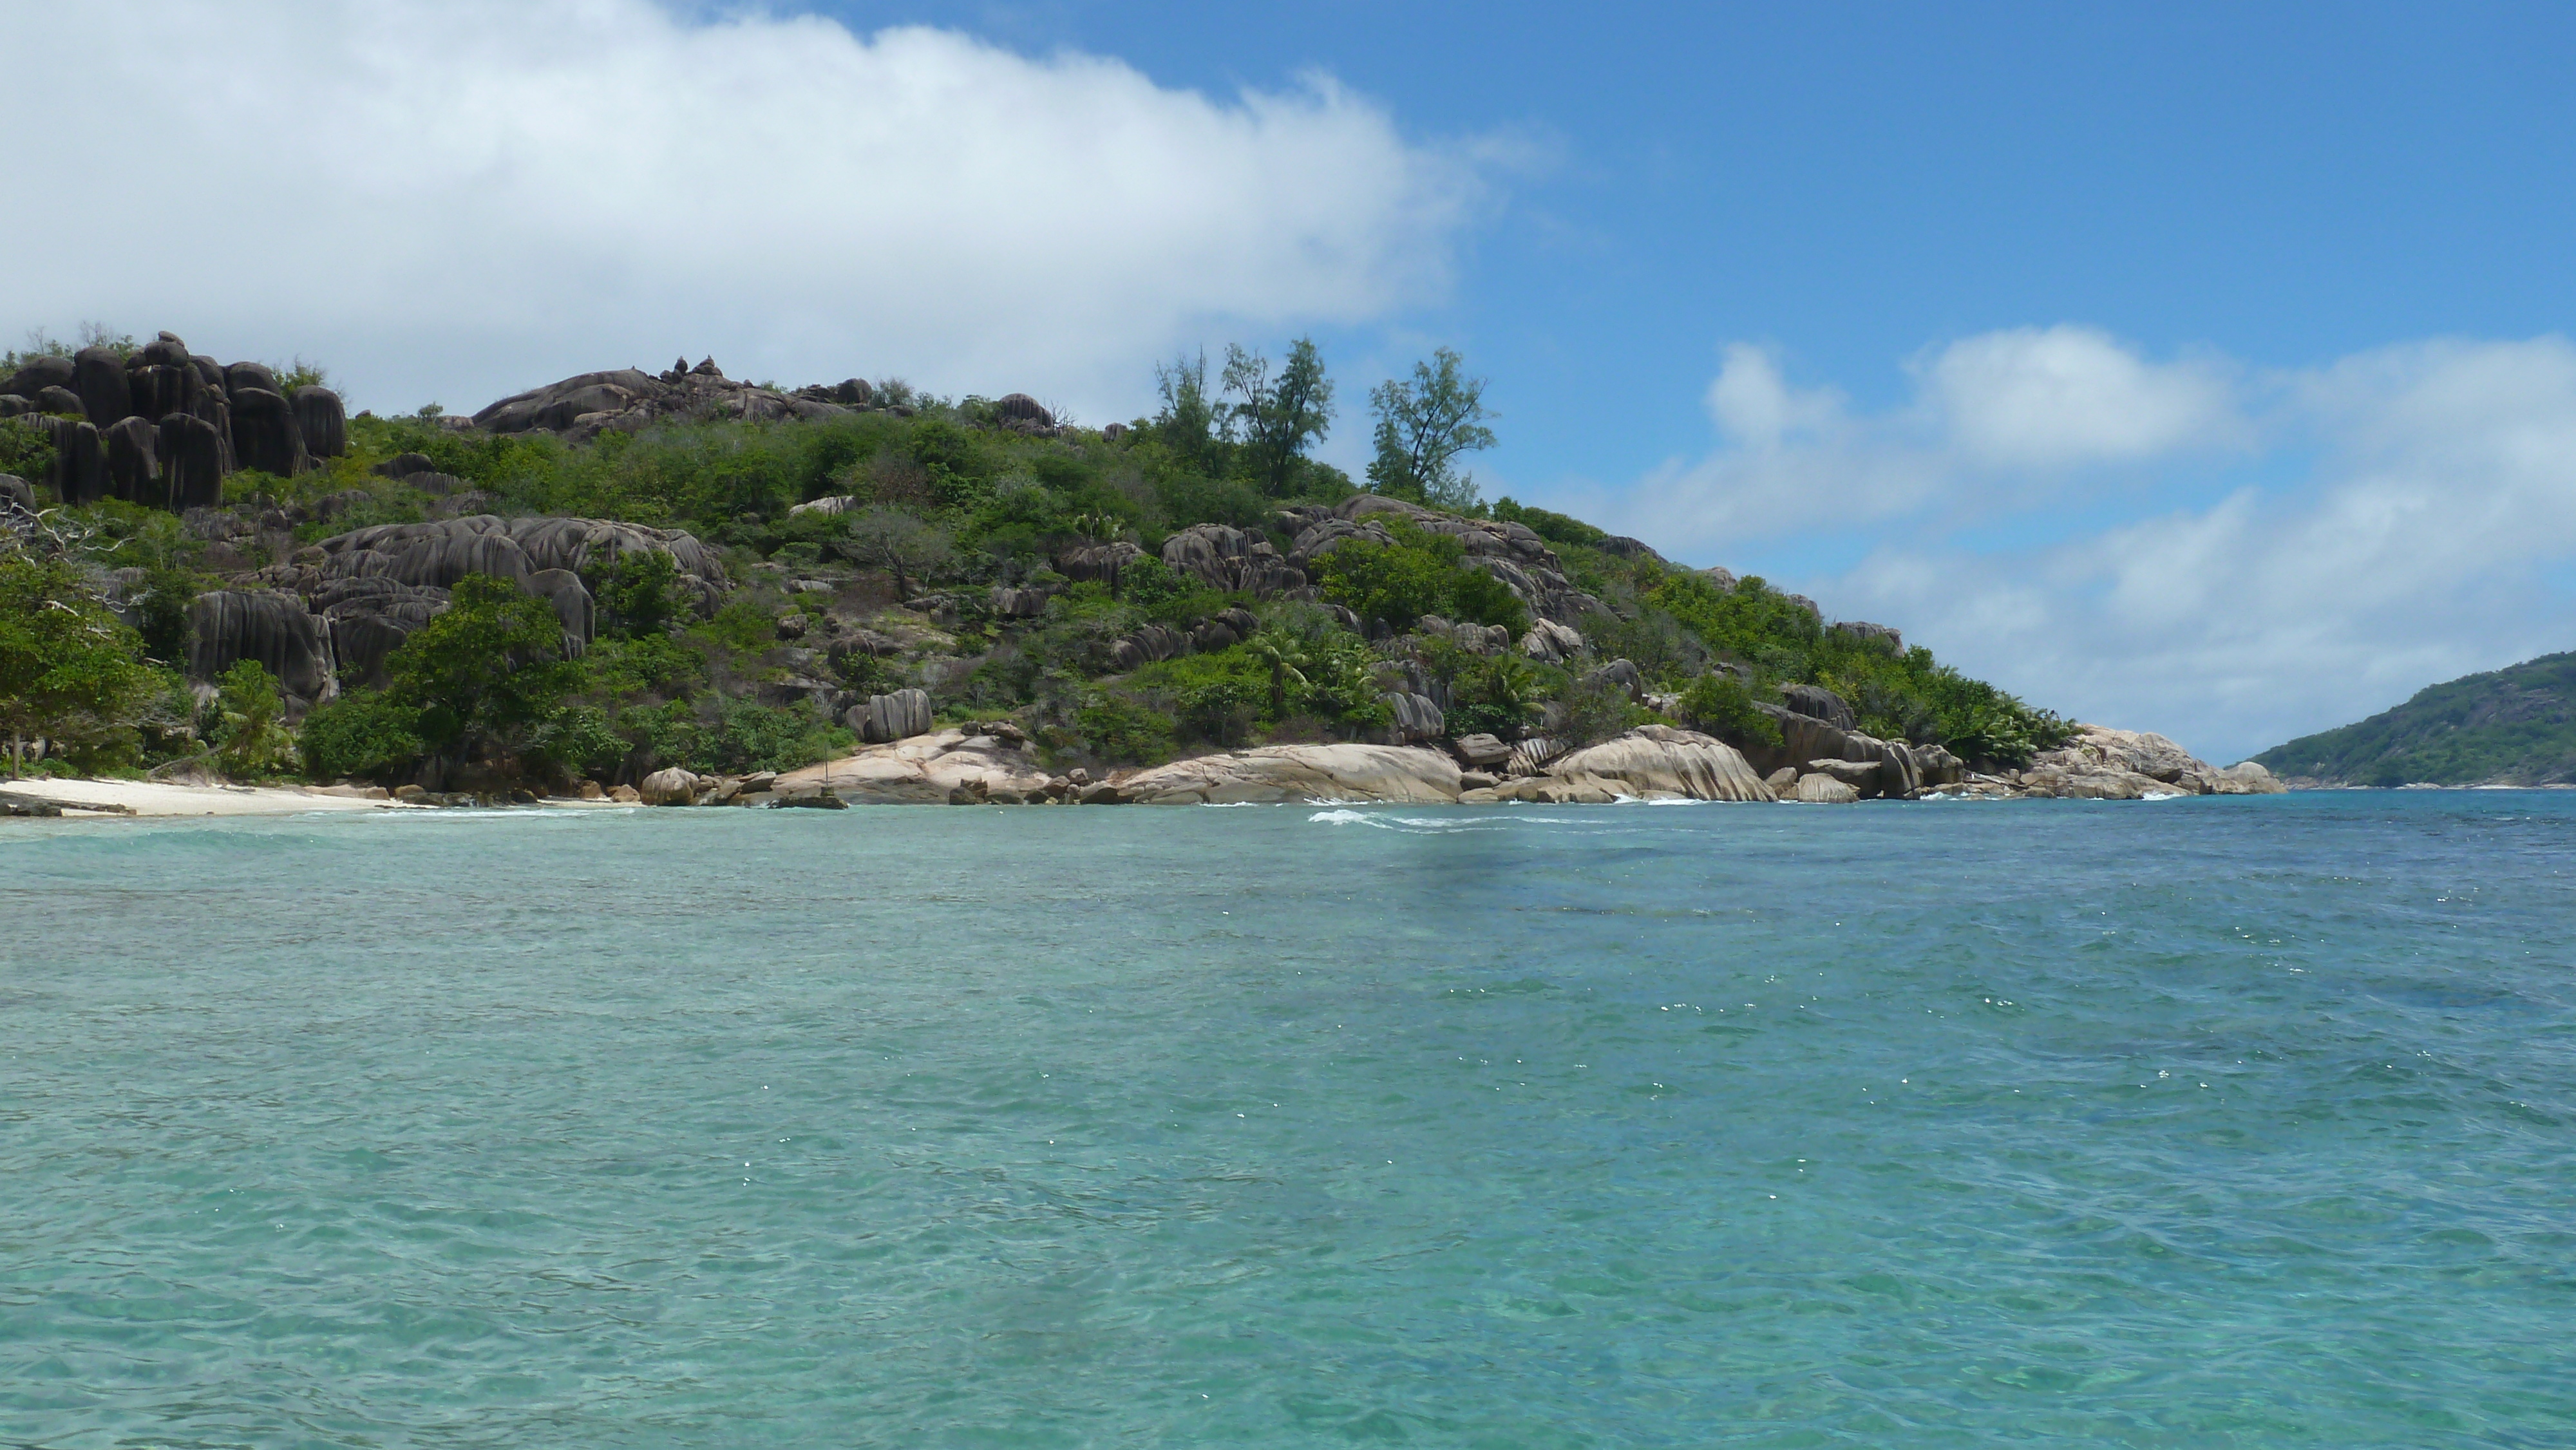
(1422, 427)
(2514, 726)
(71, 675)
(943, 565)
(26, 449)
(1420, 573)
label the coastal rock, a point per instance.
(1861, 775)
(1481, 752)
(1416, 717)
(2101, 763)
(2247, 777)
(1818, 703)
(2100, 783)
(1272, 773)
(951, 766)
(1825, 790)
(1659, 762)
(672, 787)
(888, 718)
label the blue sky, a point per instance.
(2186, 367)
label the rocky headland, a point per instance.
(1104, 613)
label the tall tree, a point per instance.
(1279, 416)
(1190, 424)
(1422, 427)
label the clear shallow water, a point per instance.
(2210, 1122)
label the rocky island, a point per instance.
(677, 588)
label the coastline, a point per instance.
(994, 763)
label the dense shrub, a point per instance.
(363, 735)
(1720, 705)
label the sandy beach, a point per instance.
(155, 798)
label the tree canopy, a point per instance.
(1422, 426)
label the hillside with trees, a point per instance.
(627, 570)
(2514, 726)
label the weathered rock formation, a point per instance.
(1651, 762)
(987, 765)
(2106, 764)
(629, 400)
(184, 423)
(1301, 773)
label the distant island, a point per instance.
(2514, 726)
(683, 588)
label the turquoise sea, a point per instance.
(2197, 1123)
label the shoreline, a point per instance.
(102, 800)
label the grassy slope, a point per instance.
(2513, 726)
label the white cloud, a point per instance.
(2403, 516)
(1754, 405)
(2068, 396)
(458, 198)
(1999, 420)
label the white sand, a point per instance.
(152, 798)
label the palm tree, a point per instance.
(1286, 660)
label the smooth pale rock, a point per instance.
(885, 719)
(672, 787)
(1551, 643)
(2097, 783)
(1416, 717)
(625, 795)
(1824, 790)
(1860, 775)
(1784, 780)
(1659, 761)
(2101, 763)
(1273, 773)
(1481, 752)
(927, 769)
(2248, 777)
